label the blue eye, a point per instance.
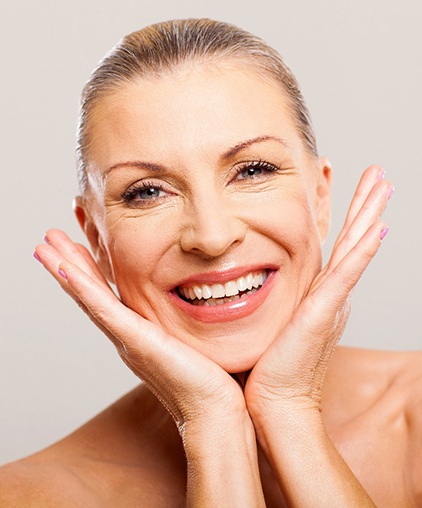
(254, 169)
(143, 193)
(149, 193)
(251, 171)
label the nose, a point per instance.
(212, 227)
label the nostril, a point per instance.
(213, 237)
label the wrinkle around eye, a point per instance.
(262, 182)
(130, 195)
(122, 211)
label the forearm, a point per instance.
(223, 465)
(309, 469)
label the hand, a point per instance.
(191, 387)
(291, 372)
(206, 404)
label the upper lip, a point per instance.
(223, 276)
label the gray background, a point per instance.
(359, 64)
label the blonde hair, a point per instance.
(161, 48)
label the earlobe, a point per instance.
(79, 210)
(324, 198)
(96, 243)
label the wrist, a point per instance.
(291, 433)
(222, 463)
(210, 436)
(286, 419)
(297, 446)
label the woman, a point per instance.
(204, 201)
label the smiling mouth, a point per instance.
(218, 294)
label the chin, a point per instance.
(236, 365)
(240, 365)
(233, 354)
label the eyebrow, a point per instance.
(136, 164)
(231, 152)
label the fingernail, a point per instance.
(383, 232)
(36, 256)
(45, 238)
(390, 192)
(62, 273)
(381, 174)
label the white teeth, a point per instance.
(231, 288)
(211, 302)
(206, 291)
(218, 291)
(241, 284)
(198, 292)
(257, 280)
(217, 294)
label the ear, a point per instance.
(94, 238)
(323, 198)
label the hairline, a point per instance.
(246, 61)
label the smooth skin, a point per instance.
(262, 410)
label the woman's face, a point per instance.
(200, 188)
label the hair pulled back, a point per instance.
(163, 47)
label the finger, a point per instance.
(51, 259)
(372, 175)
(369, 214)
(105, 307)
(102, 305)
(132, 329)
(330, 300)
(74, 252)
(86, 254)
(339, 283)
(187, 383)
(144, 346)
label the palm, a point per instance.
(187, 383)
(292, 370)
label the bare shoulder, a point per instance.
(411, 391)
(36, 483)
(370, 378)
(125, 456)
(377, 397)
(373, 373)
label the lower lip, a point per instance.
(230, 311)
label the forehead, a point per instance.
(199, 110)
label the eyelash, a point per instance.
(129, 196)
(261, 165)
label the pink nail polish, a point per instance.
(381, 174)
(62, 273)
(390, 192)
(383, 232)
(36, 256)
(45, 238)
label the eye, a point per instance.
(144, 194)
(254, 169)
(149, 193)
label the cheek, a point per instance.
(304, 249)
(288, 219)
(136, 252)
